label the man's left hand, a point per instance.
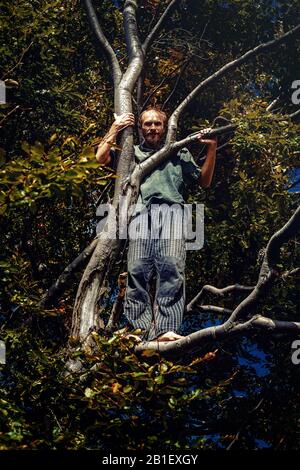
(211, 142)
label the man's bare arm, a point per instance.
(103, 150)
(208, 168)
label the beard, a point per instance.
(153, 138)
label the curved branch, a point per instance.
(153, 34)
(268, 268)
(235, 325)
(217, 291)
(173, 121)
(103, 41)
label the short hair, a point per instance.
(156, 110)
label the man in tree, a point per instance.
(148, 253)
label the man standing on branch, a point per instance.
(160, 190)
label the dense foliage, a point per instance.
(59, 105)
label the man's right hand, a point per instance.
(123, 121)
(103, 152)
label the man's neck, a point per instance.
(147, 146)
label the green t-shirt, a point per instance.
(166, 184)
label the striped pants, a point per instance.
(156, 245)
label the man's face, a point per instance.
(153, 128)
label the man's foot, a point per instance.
(168, 336)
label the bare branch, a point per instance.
(235, 325)
(62, 282)
(173, 121)
(9, 114)
(273, 104)
(213, 309)
(217, 291)
(295, 114)
(18, 63)
(217, 131)
(194, 137)
(292, 272)
(194, 341)
(103, 41)
(268, 268)
(144, 168)
(148, 165)
(140, 92)
(153, 34)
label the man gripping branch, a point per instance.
(161, 201)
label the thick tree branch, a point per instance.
(140, 92)
(148, 165)
(123, 102)
(143, 169)
(173, 121)
(193, 342)
(103, 42)
(194, 137)
(136, 57)
(133, 43)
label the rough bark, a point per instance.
(86, 308)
